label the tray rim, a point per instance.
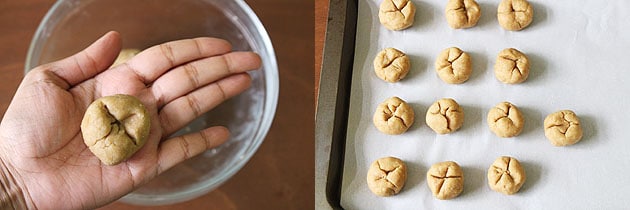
(331, 118)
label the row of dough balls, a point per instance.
(453, 65)
(387, 176)
(513, 15)
(394, 116)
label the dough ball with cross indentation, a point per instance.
(394, 116)
(386, 176)
(115, 127)
(515, 15)
(391, 65)
(563, 128)
(462, 13)
(505, 120)
(506, 175)
(446, 180)
(511, 67)
(453, 65)
(397, 14)
(445, 116)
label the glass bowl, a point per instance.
(71, 25)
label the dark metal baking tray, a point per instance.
(334, 94)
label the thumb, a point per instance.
(89, 62)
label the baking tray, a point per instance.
(333, 101)
(592, 46)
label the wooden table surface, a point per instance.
(280, 175)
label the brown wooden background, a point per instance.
(281, 173)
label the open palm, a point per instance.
(40, 139)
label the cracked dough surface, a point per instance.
(453, 65)
(563, 128)
(462, 13)
(514, 15)
(511, 67)
(393, 116)
(115, 127)
(506, 175)
(391, 65)
(445, 116)
(386, 176)
(505, 120)
(446, 180)
(396, 14)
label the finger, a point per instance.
(182, 110)
(193, 75)
(178, 149)
(148, 65)
(89, 62)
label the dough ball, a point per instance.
(115, 127)
(505, 120)
(514, 15)
(453, 65)
(511, 67)
(446, 180)
(396, 14)
(445, 116)
(387, 176)
(506, 175)
(394, 116)
(391, 65)
(125, 55)
(462, 13)
(563, 128)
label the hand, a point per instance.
(40, 137)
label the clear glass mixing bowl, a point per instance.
(71, 25)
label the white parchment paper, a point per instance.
(579, 60)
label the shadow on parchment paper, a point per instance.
(419, 66)
(424, 16)
(474, 179)
(415, 175)
(533, 173)
(540, 15)
(537, 68)
(419, 112)
(472, 117)
(533, 120)
(479, 67)
(488, 14)
(589, 131)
